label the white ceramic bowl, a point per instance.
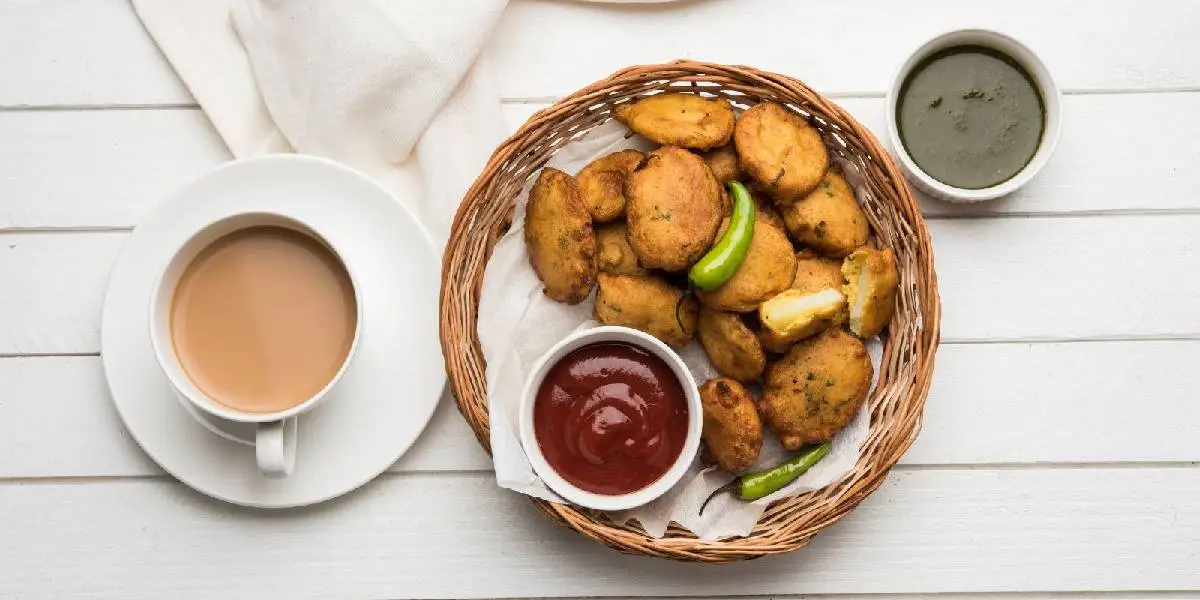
(564, 488)
(1051, 98)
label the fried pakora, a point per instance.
(794, 314)
(647, 303)
(559, 237)
(804, 309)
(764, 208)
(726, 202)
(771, 342)
(871, 281)
(769, 267)
(815, 272)
(815, 389)
(602, 183)
(685, 120)
(673, 209)
(766, 212)
(829, 219)
(723, 162)
(780, 150)
(731, 346)
(614, 254)
(732, 428)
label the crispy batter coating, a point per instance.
(780, 150)
(602, 183)
(559, 237)
(815, 389)
(829, 219)
(732, 428)
(723, 162)
(764, 208)
(673, 209)
(768, 269)
(726, 203)
(871, 282)
(772, 343)
(794, 314)
(647, 303)
(813, 274)
(614, 254)
(684, 120)
(766, 212)
(731, 346)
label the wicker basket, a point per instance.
(911, 339)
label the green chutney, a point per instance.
(970, 117)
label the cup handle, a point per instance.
(275, 447)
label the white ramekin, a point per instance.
(1025, 57)
(564, 488)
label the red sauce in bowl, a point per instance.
(610, 417)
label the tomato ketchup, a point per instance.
(610, 417)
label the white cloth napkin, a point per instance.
(395, 88)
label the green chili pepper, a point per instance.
(723, 260)
(760, 484)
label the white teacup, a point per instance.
(275, 432)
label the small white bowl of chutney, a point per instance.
(973, 115)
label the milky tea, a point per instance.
(263, 318)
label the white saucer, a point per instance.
(385, 399)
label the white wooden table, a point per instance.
(1060, 445)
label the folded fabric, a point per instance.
(361, 82)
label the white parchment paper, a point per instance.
(518, 324)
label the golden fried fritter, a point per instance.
(764, 208)
(559, 237)
(732, 429)
(602, 183)
(726, 203)
(829, 219)
(647, 303)
(768, 269)
(673, 209)
(815, 389)
(685, 120)
(723, 162)
(794, 314)
(871, 282)
(733, 349)
(814, 302)
(766, 212)
(771, 342)
(614, 255)
(815, 272)
(780, 150)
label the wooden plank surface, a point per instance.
(1000, 279)
(991, 404)
(457, 535)
(95, 52)
(98, 168)
(43, 397)
(70, 169)
(850, 46)
(81, 53)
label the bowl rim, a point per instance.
(557, 483)
(1033, 65)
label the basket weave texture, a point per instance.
(910, 342)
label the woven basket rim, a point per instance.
(897, 404)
